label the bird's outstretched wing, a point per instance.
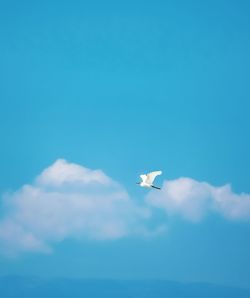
(151, 176)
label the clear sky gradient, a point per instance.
(128, 87)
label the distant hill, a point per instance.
(28, 287)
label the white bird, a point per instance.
(148, 179)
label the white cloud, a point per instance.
(63, 172)
(68, 201)
(192, 200)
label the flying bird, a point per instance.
(148, 179)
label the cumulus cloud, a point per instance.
(68, 201)
(192, 200)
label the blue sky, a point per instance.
(127, 88)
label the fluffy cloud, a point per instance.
(68, 201)
(192, 200)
